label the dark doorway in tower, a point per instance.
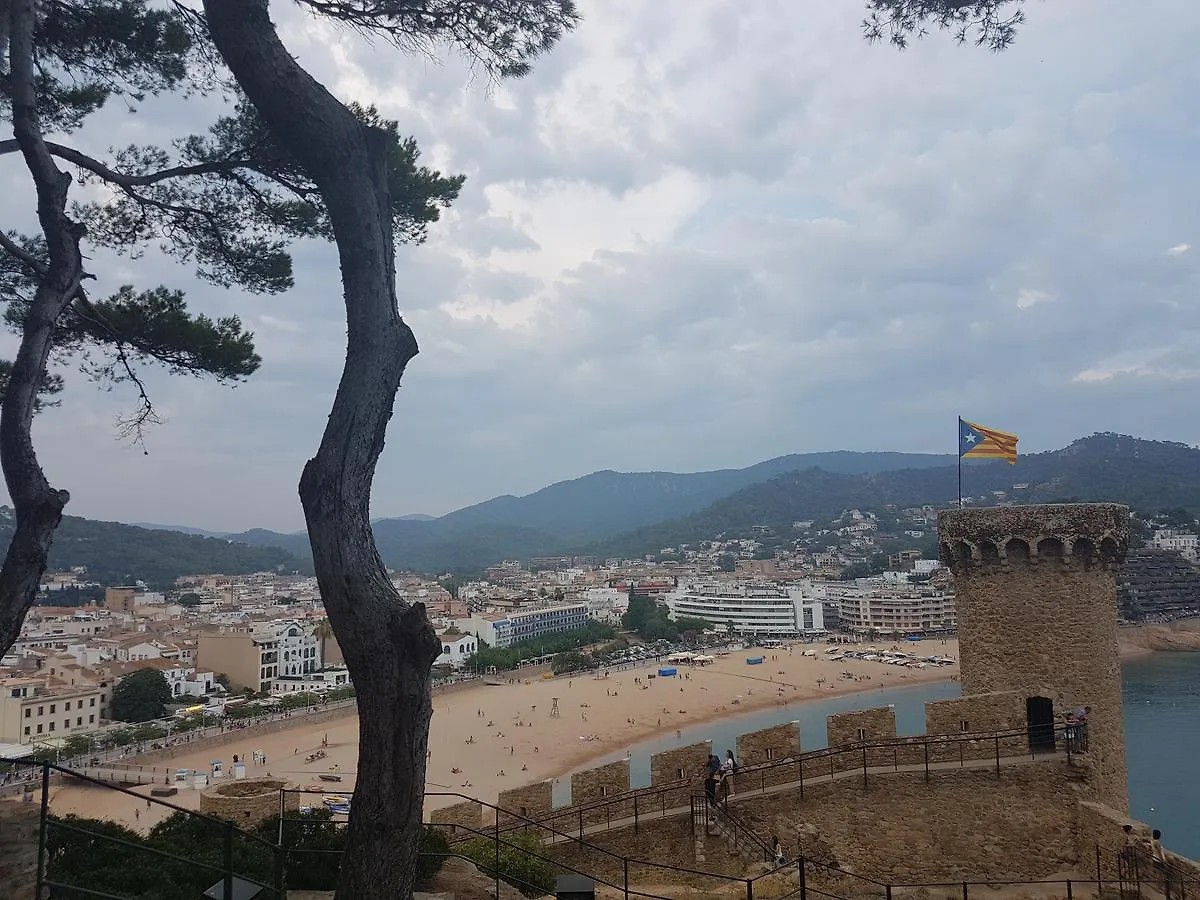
(1039, 718)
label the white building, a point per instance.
(312, 682)
(750, 608)
(527, 623)
(457, 647)
(1183, 542)
(875, 605)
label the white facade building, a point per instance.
(526, 623)
(1183, 542)
(750, 608)
(456, 648)
(875, 605)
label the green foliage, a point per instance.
(571, 661)
(522, 861)
(692, 623)
(96, 861)
(117, 554)
(140, 696)
(511, 657)
(727, 562)
(651, 621)
(189, 599)
(986, 23)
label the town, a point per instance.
(227, 647)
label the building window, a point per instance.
(39, 731)
(41, 709)
(16, 692)
(28, 710)
(51, 726)
(91, 719)
(26, 731)
(93, 703)
(78, 721)
(67, 706)
(52, 705)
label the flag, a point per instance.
(977, 442)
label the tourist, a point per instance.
(729, 766)
(777, 850)
(710, 787)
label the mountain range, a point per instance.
(627, 514)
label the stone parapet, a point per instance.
(247, 802)
(533, 801)
(1082, 534)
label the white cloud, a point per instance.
(701, 234)
(1028, 297)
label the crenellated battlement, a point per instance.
(1079, 535)
(979, 727)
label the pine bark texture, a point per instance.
(37, 506)
(389, 645)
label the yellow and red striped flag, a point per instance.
(978, 442)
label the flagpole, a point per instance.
(958, 448)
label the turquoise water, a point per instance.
(1162, 731)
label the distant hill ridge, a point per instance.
(627, 514)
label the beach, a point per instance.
(499, 733)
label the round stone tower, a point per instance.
(1036, 596)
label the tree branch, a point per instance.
(123, 179)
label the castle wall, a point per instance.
(600, 783)
(533, 801)
(898, 827)
(467, 813)
(769, 744)
(1037, 610)
(864, 725)
(248, 802)
(976, 714)
(1101, 826)
(682, 762)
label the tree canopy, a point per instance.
(140, 696)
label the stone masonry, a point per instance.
(978, 714)
(533, 801)
(249, 801)
(19, 848)
(845, 729)
(682, 762)
(769, 744)
(600, 783)
(1037, 610)
(467, 813)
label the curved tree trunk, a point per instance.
(37, 505)
(388, 644)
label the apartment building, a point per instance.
(526, 623)
(254, 656)
(750, 608)
(43, 708)
(896, 610)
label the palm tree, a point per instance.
(323, 632)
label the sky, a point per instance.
(701, 234)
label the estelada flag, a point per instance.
(978, 442)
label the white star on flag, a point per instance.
(971, 437)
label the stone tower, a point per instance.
(1037, 615)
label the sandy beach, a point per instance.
(488, 737)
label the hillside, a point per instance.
(572, 514)
(116, 553)
(1146, 475)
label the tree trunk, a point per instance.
(38, 506)
(389, 645)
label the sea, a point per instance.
(1162, 732)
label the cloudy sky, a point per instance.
(703, 234)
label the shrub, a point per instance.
(434, 849)
(522, 862)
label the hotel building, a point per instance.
(750, 608)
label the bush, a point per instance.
(521, 862)
(434, 850)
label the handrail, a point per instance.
(926, 740)
(722, 809)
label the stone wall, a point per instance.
(769, 744)
(864, 725)
(898, 827)
(1101, 827)
(1037, 610)
(19, 848)
(468, 813)
(977, 714)
(248, 802)
(601, 783)
(680, 763)
(533, 801)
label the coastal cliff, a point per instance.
(1180, 636)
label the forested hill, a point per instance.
(115, 553)
(1148, 476)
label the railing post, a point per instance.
(965, 897)
(581, 826)
(803, 882)
(750, 889)
(887, 890)
(802, 776)
(279, 870)
(227, 891)
(925, 743)
(1099, 873)
(997, 757)
(41, 860)
(625, 866)
(762, 781)
(635, 814)
(864, 751)
(895, 758)
(1070, 892)
(496, 838)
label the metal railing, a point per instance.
(921, 753)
